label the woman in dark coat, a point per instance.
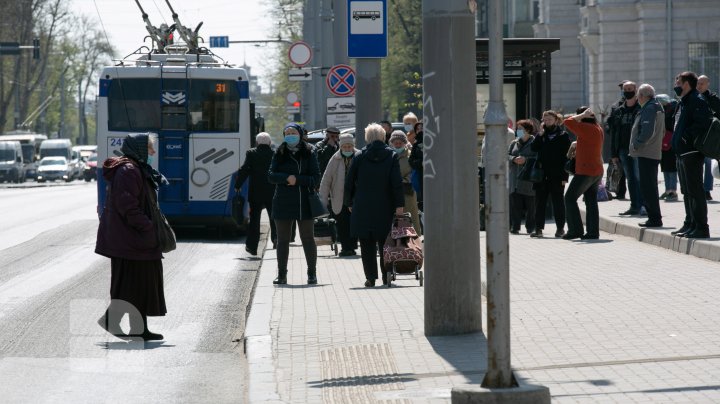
(373, 193)
(551, 144)
(127, 236)
(295, 172)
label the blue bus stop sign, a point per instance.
(367, 29)
(219, 42)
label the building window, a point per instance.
(704, 58)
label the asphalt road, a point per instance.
(53, 288)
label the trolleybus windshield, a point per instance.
(192, 105)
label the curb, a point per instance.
(262, 385)
(700, 248)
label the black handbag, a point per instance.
(570, 166)
(537, 173)
(317, 208)
(165, 234)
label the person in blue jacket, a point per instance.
(373, 193)
(295, 172)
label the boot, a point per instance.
(281, 278)
(312, 277)
(110, 322)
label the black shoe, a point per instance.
(312, 278)
(250, 250)
(281, 279)
(708, 197)
(650, 224)
(570, 236)
(630, 212)
(112, 328)
(346, 253)
(684, 229)
(370, 283)
(588, 236)
(513, 231)
(559, 233)
(697, 233)
(146, 336)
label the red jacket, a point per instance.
(126, 230)
(588, 155)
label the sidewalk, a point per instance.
(609, 320)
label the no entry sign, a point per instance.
(340, 80)
(300, 53)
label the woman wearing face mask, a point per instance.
(551, 145)
(522, 195)
(409, 121)
(332, 187)
(295, 172)
(399, 142)
(127, 236)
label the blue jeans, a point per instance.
(708, 181)
(670, 181)
(632, 173)
(588, 187)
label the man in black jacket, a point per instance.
(620, 145)
(260, 195)
(703, 87)
(692, 119)
(327, 147)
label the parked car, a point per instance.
(54, 168)
(90, 172)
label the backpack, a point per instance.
(709, 143)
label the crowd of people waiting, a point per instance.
(647, 131)
(363, 190)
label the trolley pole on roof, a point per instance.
(452, 216)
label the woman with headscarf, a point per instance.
(399, 143)
(332, 189)
(127, 236)
(373, 192)
(295, 172)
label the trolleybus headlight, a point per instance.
(200, 177)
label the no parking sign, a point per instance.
(340, 80)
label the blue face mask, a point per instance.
(347, 153)
(150, 160)
(519, 133)
(408, 128)
(292, 140)
(399, 150)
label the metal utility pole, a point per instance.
(452, 238)
(499, 373)
(17, 104)
(340, 52)
(324, 61)
(309, 107)
(63, 89)
(368, 97)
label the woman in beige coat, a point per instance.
(332, 188)
(399, 142)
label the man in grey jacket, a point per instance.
(646, 145)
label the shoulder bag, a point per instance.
(165, 234)
(317, 209)
(537, 173)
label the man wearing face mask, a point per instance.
(409, 121)
(692, 119)
(620, 146)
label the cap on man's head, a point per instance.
(333, 129)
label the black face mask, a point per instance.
(628, 94)
(678, 90)
(550, 128)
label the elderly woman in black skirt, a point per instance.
(127, 236)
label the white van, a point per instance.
(12, 167)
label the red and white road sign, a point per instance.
(340, 80)
(300, 53)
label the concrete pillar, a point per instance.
(310, 12)
(340, 51)
(452, 239)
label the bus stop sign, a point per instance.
(367, 29)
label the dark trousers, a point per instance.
(369, 248)
(690, 173)
(555, 189)
(630, 168)
(648, 187)
(522, 207)
(284, 231)
(253, 231)
(586, 186)
(342, 219)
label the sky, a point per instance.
(238, 19)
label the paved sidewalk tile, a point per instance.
(611, 320)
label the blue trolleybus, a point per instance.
(199, 108)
